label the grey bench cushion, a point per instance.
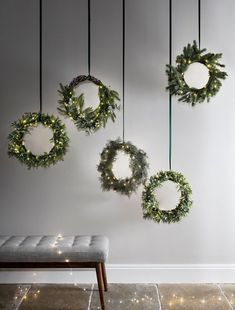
(53, 248)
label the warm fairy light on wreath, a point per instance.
(150, 204)
(88, 119)
(176, 83)
(138, 165)
(16, 147)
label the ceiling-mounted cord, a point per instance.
(89, 36)
(199, 24)
(123, 66)
(40, 56)
(170, 96)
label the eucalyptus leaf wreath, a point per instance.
(88, 119)
(151, 206)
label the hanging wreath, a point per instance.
(138, 165)
(88, 119)
(176, 83)
(150, 204)
(16, 147)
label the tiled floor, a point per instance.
(119, 297)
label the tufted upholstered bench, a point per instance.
(57, 252)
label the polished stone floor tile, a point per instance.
(229, 292)
(11, 295)
(128, 297)
(57, 297)
(192, 297)
(119, 297)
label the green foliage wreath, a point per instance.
(88, 119)
(176, 82)
(16, 147)
(138, 166)
(150, 204)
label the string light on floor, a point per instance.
(20, 293)
(174, 300)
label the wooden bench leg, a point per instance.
(100, 284)
(104, 277)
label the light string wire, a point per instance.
(170, 96)
(89, 36)
(40, 57)
(123, 66)
(199, 23)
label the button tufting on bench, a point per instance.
(53, 248)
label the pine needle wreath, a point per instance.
(138, 165)
(177, 85)
(16, 147)
(150, 203)
(88, 119)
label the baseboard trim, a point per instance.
(128, 273)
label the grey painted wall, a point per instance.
(67, 197)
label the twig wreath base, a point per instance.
(16, 147)
(88, 119)
(150, 203)
(138, 165)
(176, 83)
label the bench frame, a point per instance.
(98, 266)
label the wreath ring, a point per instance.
(16, 147)
(138, 165)
(176, 83)
(88, 119)
(150, 204)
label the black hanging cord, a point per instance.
(170, 96)
(123, 66)
(89, 37)
(199, 24)
(40, 56)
